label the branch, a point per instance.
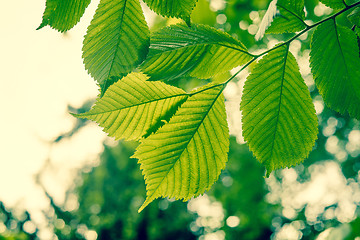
(255, 57)
(348, 7)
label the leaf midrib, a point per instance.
(135, 105)
(118, 40)
(202, 44)
(343, 58)
(279, 108)
(295, 15)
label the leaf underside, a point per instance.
(63, 15)
(290, 18)
(335, 64)
(172, 8)
(279, 120)
(117, 39)
(132, 106)
(197, 51)
(185, 157)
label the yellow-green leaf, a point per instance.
(172, 8)
(63, 15)
(199, 51)
(117, 39)
(185, 156)
(132, 107)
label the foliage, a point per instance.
(244, 195)
(117, 40)
(184, 147)
(195, 138)
(14, 223)
(109, 196)
(345, 71)
(275, 99)
(114, 216)
(110, 193)
(290, 19)
(198, 51)
(63, 15)
(131, 102)
(336, 4)
(175, 8)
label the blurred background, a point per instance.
(62, 178)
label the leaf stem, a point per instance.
(255, 57)
(227, 81)
(308, 28)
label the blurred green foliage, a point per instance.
(13, 224)
(109, 197)
(241, 190)
(110, 194)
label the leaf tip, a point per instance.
(267, 173)
(42, 24)
(145, 204)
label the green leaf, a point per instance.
(290, 19)
(63, 15)
(132, 106)
(117, 39)
(106, 84)
(354, 17)
(335, 64)
(279, 120)
(185, 157)
(335, 4)
(198, 51)
(172, 8)
(357, 30)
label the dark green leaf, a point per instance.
(357, 30)
(63, 15)
(117, 39)
(198, 51)
(335, 4)
(279, 120)
(291, 17)
(335, 64)
(172, 8)
(185, 157)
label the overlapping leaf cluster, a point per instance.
(184, 136)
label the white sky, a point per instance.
(40, 73)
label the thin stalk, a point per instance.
(255, 57)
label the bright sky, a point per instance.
(41, 72)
